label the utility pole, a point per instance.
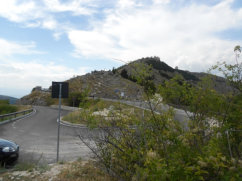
(58, 132)
(59, 90)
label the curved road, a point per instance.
(37, 137)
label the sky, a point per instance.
(54, 40)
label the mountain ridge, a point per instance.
(120, 84)
(12, 100)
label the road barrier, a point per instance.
(13, 116)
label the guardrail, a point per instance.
(14, 115)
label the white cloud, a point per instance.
(16, 11)
(18, 75)
(85, 41)
(132, 29)
(50, 24)
(44, 13)
(9, 48)
(28, 13)
(161, 1)
(185, 38)
(77, 7)
(125, 3)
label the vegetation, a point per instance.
(157, 64)
(163, 67)
(102, 110)
(78, 171)
(77, 98)
(124, 74)
(38, 98)
(187, 75)
(25, 170)
(6, 108)
(114, 70)
(141, 74)
(206, 147)
(70, 171)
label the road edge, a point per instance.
(17, 118)
(65, 123)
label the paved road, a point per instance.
(37, 137)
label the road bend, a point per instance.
(37, 137)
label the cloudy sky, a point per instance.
(53, 40)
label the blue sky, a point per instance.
(53, 40)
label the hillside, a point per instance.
(119, 84)
(107, 84)
(162, 72)
(36, 97)
(12, 100)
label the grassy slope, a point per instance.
(71, 171)
(80, 116)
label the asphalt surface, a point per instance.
(37, 137)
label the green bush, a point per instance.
(4, 102)
(161, 148)
(6, 108)
(78, 99)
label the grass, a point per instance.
(71, 171)
(23, 107)
(3, 170)
(25, 166)
(19, 108)
(79, 171)
(24, 171)
(113, 109)
(6, 109)
(76, 117)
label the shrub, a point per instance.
(5, 108)
(160, 148)
(78, 99)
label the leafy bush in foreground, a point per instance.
(205, 147)
(6, 108)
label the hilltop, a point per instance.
(119, 84)
(160, 72)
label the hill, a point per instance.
(120, 84)
(161, 72)
(12, 100)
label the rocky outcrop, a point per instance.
(120, 84)
(106, 84)
(39, 98)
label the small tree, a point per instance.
(158, 147)
(124, 74)
(78, 99)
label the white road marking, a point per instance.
(13, 124)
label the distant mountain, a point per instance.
(120, 83)
(12, 100)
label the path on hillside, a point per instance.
(37, 137)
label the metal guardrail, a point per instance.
(14, 115)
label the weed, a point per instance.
(25, 166)
(76, 171)
(61, 162)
